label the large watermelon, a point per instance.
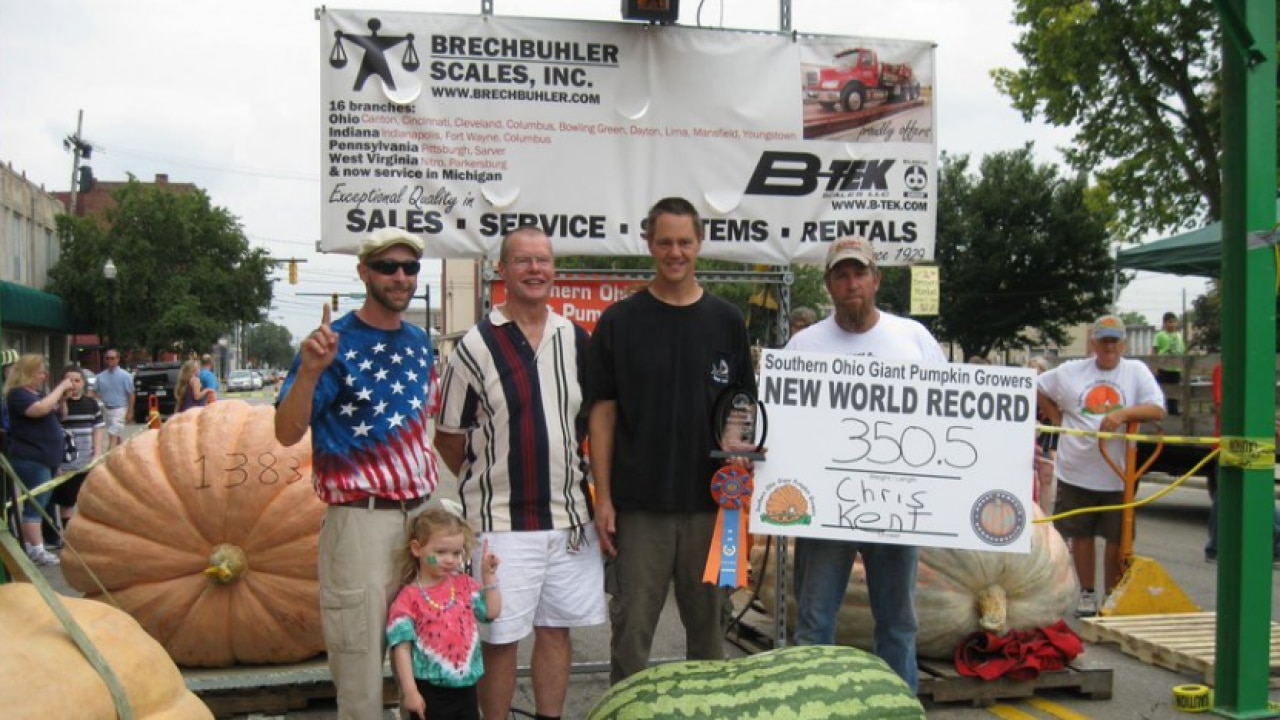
(793, 683)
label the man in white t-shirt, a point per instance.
(1101, 393)
(857, 327)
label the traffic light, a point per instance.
(87, 180)
(293, 272)
(335, 302)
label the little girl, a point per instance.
(431, 627)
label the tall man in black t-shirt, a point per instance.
(658, 361)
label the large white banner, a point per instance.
(461, 128)
(878, 451)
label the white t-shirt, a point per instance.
(1085, 394)
(892, 338)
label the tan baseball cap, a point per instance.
(850, 248)
(379, 240)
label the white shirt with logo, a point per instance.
(1085, 394)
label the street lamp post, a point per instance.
(109, 272)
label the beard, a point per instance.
(380, 296)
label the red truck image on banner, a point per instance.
(859, 78)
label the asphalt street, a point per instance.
(1171, 531)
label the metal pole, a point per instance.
(1246, 486)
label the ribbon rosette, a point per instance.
(726, 562)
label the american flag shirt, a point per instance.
(369, 415)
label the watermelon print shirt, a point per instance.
(440, 622)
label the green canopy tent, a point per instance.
(1198, 252)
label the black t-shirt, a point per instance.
(666, 366)
(35, 439)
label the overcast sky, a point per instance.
(226, 95)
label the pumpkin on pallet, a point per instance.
(44, 675)
(959, 592)
(206, 531)
(817, 681)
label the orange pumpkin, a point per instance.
(44, 675)
(958, 592)
(206, 532)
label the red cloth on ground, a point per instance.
(1019, 654)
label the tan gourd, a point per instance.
(959, 592)
(43, 674)
(206, 532)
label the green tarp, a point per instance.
(1198, 252)
(24, 307)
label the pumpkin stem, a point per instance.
(227, 564)
(994, 604)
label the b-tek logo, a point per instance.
(796, 173)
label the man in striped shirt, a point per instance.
(511, 427)
(362, 384)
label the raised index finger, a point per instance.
(324, 316)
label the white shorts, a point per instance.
(115, 420)
(544, 583)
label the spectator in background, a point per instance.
(189, 387)
(1169, 348)
(208, 378)
(81, 416)
(801, 318)
(115, 389)
(1100, 393)
(36, 444)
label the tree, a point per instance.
(186, 271)
(1134, 318)
(1024, 253)
(269, 345)
(1139, 80)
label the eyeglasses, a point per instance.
(389, 267)
(524, 262)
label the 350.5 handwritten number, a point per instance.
(881, 444)
(239, 469)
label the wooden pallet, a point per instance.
(270, 690)
(940, 683)
(1183, 642)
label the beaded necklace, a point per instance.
(453, 596)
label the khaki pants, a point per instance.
(359, 576)
(655, 549)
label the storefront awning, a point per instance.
(24, 307)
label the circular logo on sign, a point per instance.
(998, 518)
(915, 177)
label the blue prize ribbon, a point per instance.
(729, 549)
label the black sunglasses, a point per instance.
(389, 267)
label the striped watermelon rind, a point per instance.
(794, 683)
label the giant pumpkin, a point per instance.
(206, 532)
(959, 592)
(44, 675)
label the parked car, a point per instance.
(258, 382)
(240, 381)
(159, 380)
(90, 381)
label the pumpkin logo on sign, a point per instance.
(787, 503)
(998, 518)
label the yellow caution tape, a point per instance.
(1247, 453)
(1166, 439)
(1192, 698)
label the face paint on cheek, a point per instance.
(432, 561)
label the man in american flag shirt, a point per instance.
(363, 385)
